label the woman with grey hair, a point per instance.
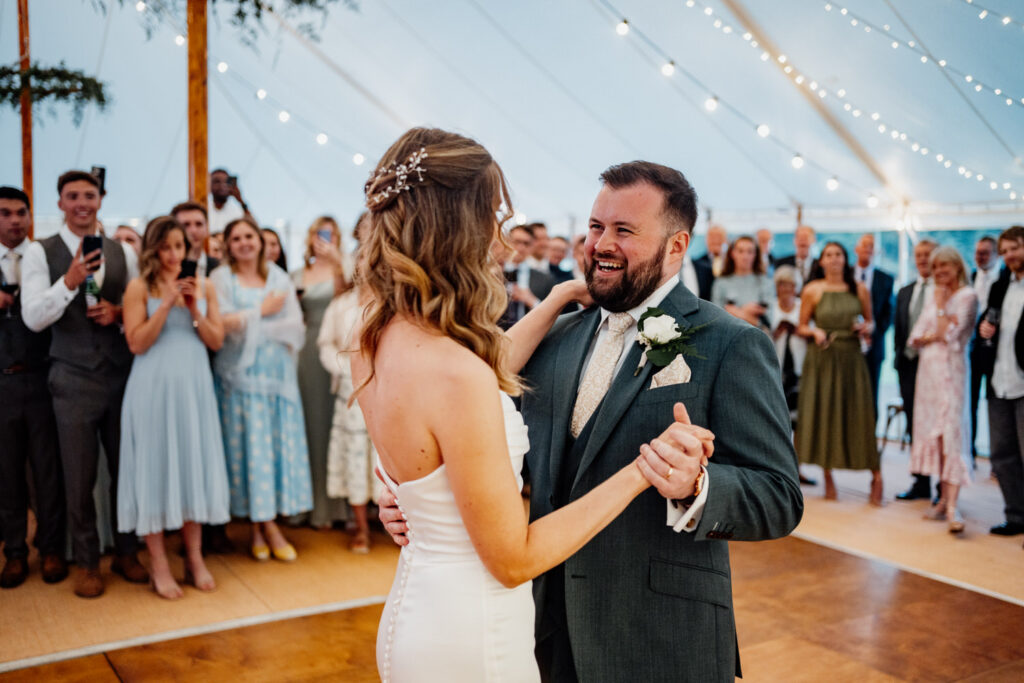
(784, 316)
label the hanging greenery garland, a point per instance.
(51, 85)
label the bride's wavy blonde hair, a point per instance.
(427, 255)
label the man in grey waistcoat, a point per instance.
(90, 362)
(28, 432)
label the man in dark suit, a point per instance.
(880, 284)
(1005, 330)
(982, 280)
(558, 250)
(192, 218)
(697, 276)
(28, 431)
(78, 297)
(803, 260)
(663, 564)
(716, 242)
(765, 240)
(527, 285)
(910, 301)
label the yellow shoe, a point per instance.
(260, 551)
(285, 553)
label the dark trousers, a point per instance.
(978, 377)
(87, 403)
(1006, 433)
(553, 649)
(28, 436)
(907, 372)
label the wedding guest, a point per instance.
(743, 289)
(319, 280)
(1003, 324)
(910, 301)
(89, 364)
(765, 241)
(941, 422)
(803, 260)
(539, 251)
(716, 240)
(274, 251)
(225, 203)
(558, 249)
(192, 218)
(258, 391)
(880, 284)
(578, 255)
(215, 247)
(835, 426)
(125, 234)
(28, 431)
(172, 473)
(784, 316)
(351, 456)
(981, 352)
(527, 285)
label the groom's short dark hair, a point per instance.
(680, 198)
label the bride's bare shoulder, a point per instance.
(412, 351)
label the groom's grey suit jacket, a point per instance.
(643, 602)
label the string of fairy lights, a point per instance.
(897, 134)
(895, 42)
(998, 18)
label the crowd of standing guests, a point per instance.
(947, 345)
(204, 379)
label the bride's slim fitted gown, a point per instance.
(446, 618)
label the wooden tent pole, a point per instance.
(26, 108)
(198, 130)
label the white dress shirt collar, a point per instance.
(19, 249)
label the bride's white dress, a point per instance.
(446, 618)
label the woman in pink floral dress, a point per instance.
(942, 427)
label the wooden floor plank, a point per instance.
(93, 669)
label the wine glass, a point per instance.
(992, 318)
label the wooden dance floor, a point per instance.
(805, 613)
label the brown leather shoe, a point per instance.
(130, 568)
(88, 583)
(55, 569)
(15, 572)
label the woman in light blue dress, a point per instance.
(258, 391)
(172, 473)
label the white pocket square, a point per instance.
(676, 372)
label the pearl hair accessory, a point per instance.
(402, 173)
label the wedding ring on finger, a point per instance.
(668, 475)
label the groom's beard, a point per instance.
(638, 282)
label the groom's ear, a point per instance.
(678, 243)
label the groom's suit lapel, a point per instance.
(679, 303)
(572, 351)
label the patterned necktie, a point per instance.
(598, 376)
(915, 312)
(12, 273)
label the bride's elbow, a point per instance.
(508, 575)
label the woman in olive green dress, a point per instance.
(835, 411)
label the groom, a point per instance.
(650, 597)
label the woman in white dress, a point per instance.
(433, 378)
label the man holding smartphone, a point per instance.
(226, 203)
(192, 216)
(90, 362)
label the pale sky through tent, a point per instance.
(557, 95)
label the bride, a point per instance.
(435, 376)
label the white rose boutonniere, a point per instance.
(660, 334)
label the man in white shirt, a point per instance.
(982, 280)
(803, 260)
(226, 203)
(90, 362)
(1006, 387)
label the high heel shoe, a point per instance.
(956, 522)
(260, 551)
(285, 553)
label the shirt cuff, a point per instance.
(688, 519)
(61, 288)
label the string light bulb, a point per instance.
(222, 66)
(872, 201)
(832, 184)
(261, 94)
(668, 68)
(358, 159)
(283, 116)
(711, 103)
(797, 161)
(321, 139)
(140, 6)
(179, 40)
(763, 130)
(622, 28)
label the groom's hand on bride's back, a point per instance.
(390, 516)
(672, 461)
